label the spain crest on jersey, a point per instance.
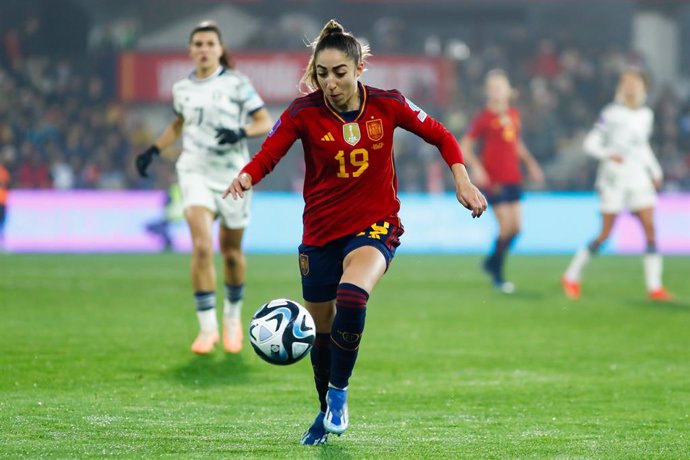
(351, 133)
(375, 129)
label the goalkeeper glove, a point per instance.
(230, 136)
(144, 159)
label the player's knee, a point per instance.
(233, 257)
(203, 251)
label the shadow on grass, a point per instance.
(213, 370)
(333, 451)
(676, 306)
(525, 294)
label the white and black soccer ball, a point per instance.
(282, 332)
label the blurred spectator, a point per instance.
(33, 172)
(4, 192)
(546, 63)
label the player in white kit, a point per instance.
(628, 178)
(217, 108)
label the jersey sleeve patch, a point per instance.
(421, 114)
(275, 127)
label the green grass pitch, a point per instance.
(95, 362)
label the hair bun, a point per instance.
(333, 27)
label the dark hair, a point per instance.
(226, 59)
(333, 36)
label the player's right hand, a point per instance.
(238, 186)
(145, 158)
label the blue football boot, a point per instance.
(491, 267)
(316, 434)
(336, 419)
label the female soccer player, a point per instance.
(351, 224)
(213, 105)
(498, 173)
(628, 178)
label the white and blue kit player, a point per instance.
(216, 109)
(626, 183)
(212, 107)
(627, 179)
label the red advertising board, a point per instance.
(148, 77)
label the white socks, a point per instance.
(207, 320)
(232, 309)
(579, 262)
(653, 268)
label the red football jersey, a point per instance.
(500, 135)
(350, 181)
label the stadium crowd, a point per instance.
(62, 127)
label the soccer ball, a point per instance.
(282, 332)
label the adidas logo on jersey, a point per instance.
(328, 137)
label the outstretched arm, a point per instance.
(168, 138)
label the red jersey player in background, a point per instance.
(351, 224)
(498, 174)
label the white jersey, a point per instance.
(623, 131)
(223, 100)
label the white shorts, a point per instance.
(234, 214)
(617, 199)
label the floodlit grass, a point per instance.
(95, 362)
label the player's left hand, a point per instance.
(471, 198)
(230, 136)
(238, 186)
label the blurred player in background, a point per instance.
(497, 170)
(628, 178)
(173, 211)
(213, 106)
(351, 224)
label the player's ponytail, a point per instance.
(333, 36)
(226, 59)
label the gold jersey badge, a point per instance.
(351, 133)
